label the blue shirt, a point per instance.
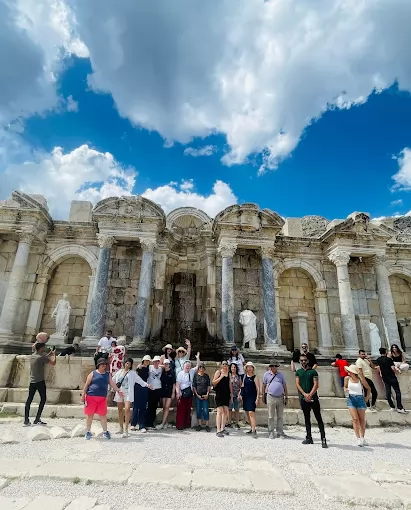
(99, 384)
(274, 383)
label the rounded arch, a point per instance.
(182, 212)
(64, 252)
(400, 271)
(305, 266)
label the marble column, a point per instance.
(270, 317)
(300, 328)
(211, 307)
(144, 293)
(227, 250)
(15, 286)
(159, 293)
(323, 321)
(97, 316)
(386, 300)
(341, 259)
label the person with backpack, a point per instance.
(275, 395)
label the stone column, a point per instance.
(97, 317)
(159, 293)
(386, 301)
(15, 286)
(323, 321)
(144, 293)
(37, 305)
(227, 250)
(300, 328)
(92, 280)
(211, 307)
(270, 317)
(341, 259)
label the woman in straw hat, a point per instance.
(183, 355)
(354, 385)
(141, 397)
(170, 354)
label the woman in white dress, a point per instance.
(125, 379)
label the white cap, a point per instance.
(156, 358)
(166, 361)
(146, 358)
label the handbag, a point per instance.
(187, 392)
(266, 390)
(119, 383)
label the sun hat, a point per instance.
(156, 358)
(166, 361)
(352, 368)
(42, 337)
(250, 364)
(102, 361)
(181, 349)
(168, 346)
(146, 358)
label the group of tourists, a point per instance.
(139, 391)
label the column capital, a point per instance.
(267, 252)
(227, 248)
(380, 259)
(339, 258)
(148, 244)
(25, 237)
(105, 241)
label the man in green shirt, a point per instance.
(307, 386)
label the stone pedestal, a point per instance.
(270, 317)
(15, 287)
(386, 301)
(300, 328)
(144, 294)
(97, 317)
(341, 259)
(227, 251)
(58, 340)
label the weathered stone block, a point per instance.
(130, 296)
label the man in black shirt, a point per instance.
(388, 374)
(312, 360)
(69, 351)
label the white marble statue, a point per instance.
(375, 339)
(62, 315)
(248, 321)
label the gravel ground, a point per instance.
(199, 449)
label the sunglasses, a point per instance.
(224, 364)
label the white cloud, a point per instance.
(207, 150)
(172, 196)
(82, 174)
(71, 104)
(403, 177)
(397, 202)
(258, 72)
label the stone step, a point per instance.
(68, 397)
(331, 417)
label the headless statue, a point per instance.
(61, 314)
(248, 322)
(375, 339)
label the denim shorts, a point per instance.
(234, 404)
(356, 402)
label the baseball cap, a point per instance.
(274, 364)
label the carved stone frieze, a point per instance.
(313, 226)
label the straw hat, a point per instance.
(181, 349)
(249, 364)
(156, 358)
(353, 369)
(146, 358)
(168, 346)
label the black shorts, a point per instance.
(166, 392)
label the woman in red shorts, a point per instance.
(95, 396)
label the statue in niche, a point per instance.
(375, 340)
(248, 322)
(61, 314)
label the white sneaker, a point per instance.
(125, 434)
(143, 431)
(392, 409)
(360, 442)
(160, 427)
(119, 432)
(165, 426)
(364, 442)
(374, 409)
(402, 411)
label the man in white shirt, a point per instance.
(365, 366)
(103, 346)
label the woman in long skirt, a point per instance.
(141, 397)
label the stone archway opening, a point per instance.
(296, 295)
(70, 276)
(401, 295)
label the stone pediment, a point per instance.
(188, 223)
(247, 218)
(135, 208)
(25, 205)
(359, 227)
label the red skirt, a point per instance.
(183, 417)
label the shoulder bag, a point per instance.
(187, 392)
(119, 383)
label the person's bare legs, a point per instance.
(128, 414)
(103, 421)
(230, 416)
(355, 421)
(251, 415)
(166, 409)
(89, 422)
(237, 416)
(225, 416)
(120, 407)
(219, 419)
(361, 420)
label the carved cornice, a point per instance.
(227, 249)
(267, 252)
(105, 241)
(148, 244)
(339, 258)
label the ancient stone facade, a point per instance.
(155, 278)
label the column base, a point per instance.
(349, 353)
(57, 340)
(138, 343)
(90, 341)
(276, 349)
(328, 351)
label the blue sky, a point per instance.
(342, 162)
